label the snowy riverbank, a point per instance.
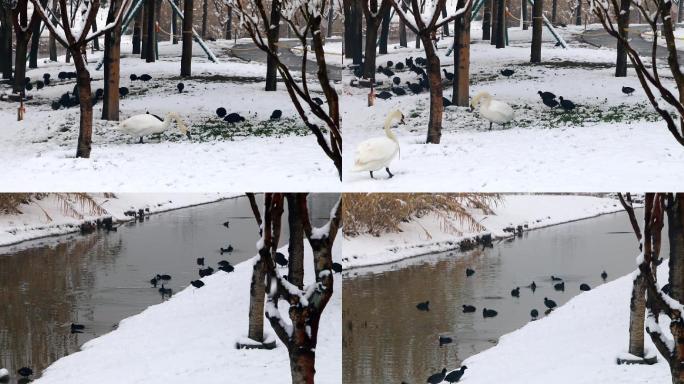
(426, 234)
(191, 338)
(46, 217)
(577, 343)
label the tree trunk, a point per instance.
(5, 43)
(554, 9)
(347, 10)
(384, 31)
(371, 47)
(112, 56)
(174, 24)
(229, 24)
(257, 292)
(578, 12)
(501, 25)
(302, 366)
(151, 34)
(523, 10)
(461, 82)
(331, 19)
(537, 11)
(273, 33)
(22, 41)
(675, 224)
(186, 59)
(487, 19)
(402, 29)
(637, 314)
(35, 43)
(357, 33)
(623, 28)
(495, 22)
(85, 133)
(52, 42)
(434, 134)
(144, 29)
(680, 12)
(205, 4)
(96, 42)
(296, 247)
(445, 28)
(157, 15)
(136, 32)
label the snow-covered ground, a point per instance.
(46, 217)
(577, 343)
(191, 339)
(610, 142)
(39, 153)
(427, 234)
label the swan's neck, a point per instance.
(388, 124)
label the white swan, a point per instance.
(493, 110)
(376, 153)
(147, 124)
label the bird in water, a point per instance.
(423, 306)
(489, 312)
(469, 272)
(585, 287)
(200, 261)
(443, 340)
(534, 313)
(25, 371)
(559, 286)
(515, 292)
(229, 249)
(604, 275)
(468, 308)
(550, 304)
(77, 328)
(533, 286)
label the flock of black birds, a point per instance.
(549, 99)
(234, 117)
(558, 285)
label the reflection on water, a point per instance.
(386, 340)
(100, 279)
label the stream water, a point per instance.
(99, 279)
(387, 340)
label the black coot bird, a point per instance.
(165, 291)
(550, 304)
(227, 250)
(559, 286)
(99, 93)
(384, 95)
(516, 292)
(468, 308)
(145, 77)
(534, 313)
(424, 306)
(29, 86)
(399, 66)
(25, 371)
(180, 87)
(164, 277)
(77, 328)
(317, 100)
(446, 102)
(399, 91)
(449, 76)
(197, 284)
(533, 286)
(208, 271)
(445, 340)
(489, 312)
(396, 80)
(470, 272)
(415, 88)
(455, 376)
(337, 267)
(585, 287)
(280, 259)
(566, 104)
(227, 268)
(39, 84)
(277, 114)
(123, 91)
(627, 90)
(221, 112)
(200, 261)
(223, 263)
(551, 103)
(555, 278)
(546, 95)
(604, 275)
(154, 281)
(507, 72)
(233, 118)
(437, 377)
(133, 77)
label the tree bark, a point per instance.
(384, 31)
(637, 308)
(461, 82)
(501, 24)
(445, 28)
(331, 20)
(52, 42)
(136, 32)
(229, 24)
(578, 13)
(675, 224)
(35, 43)
(273, 34)
(186, 58)
(96, 42)
(205, 5)
(402, 28)
(257, 292)
(623, 28)
(434, 134)
(495, 23)
(112, 56)
(371, 48)
(487, 19)
(296, 246)
(523, 10)
(150, 57)
(85, 133)
(144, 30)
(174, 23)
(22, 41)
(554, 9)
(5, 43)
(357, 32)
(347, 11)
(537, 11)
(302, 366)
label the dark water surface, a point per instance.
(100, 279)
(387, 340)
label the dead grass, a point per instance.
(378, 213)
(71, 204)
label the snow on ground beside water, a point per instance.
(40, 151)
(577, 343)
(613, 141)
(535, 211)
(191, 339)
(46, 217)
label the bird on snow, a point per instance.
(446, 102)
(378, 152)
(317, 100)
(197, 283)
(277, 114)
(448, 75)
(180, 87)
(123, 91)
(566, 104)
(585, 287)
(337, 267)
(145, 77)
(507, 72)
(147, 124)
(233, 118)
(415, 88)
(221, 112)
(437, 377)
(546, 95)
(455, 375)
(280, 259)
(627, 90)
(396, 80)
(551, 103)
(550, 304)
(493, 110)
(399, 91)
(384, 95)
